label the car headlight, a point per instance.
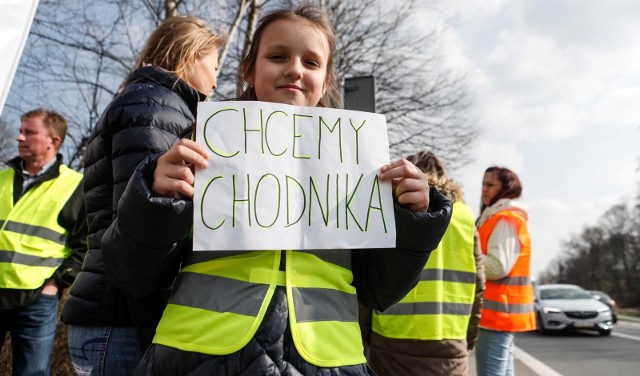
(604, 309)
(551, 310)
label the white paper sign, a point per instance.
(287, 177)
(15, 22)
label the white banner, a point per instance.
(15, 22)
(287, 177)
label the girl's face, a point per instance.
(202, 75)
(491, 186)
(291, 64)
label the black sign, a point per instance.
(360, 94)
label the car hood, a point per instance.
(573, 304)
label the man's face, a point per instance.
(35, 144)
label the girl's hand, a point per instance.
(410, 184)
(175, 173)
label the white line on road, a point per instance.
(627, 336)
(533, 363)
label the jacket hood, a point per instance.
(504, 204)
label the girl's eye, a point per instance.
(313, 63)
(276, 57)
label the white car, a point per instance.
(569, 307)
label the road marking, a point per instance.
(534, 364)
(627, 336)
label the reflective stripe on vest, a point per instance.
(440, 305)
(32, 242)
(508, 302)
(220, 299)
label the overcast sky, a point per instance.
(556, 86)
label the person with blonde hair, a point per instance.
(434, 327)
(177, 68)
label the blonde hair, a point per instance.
(437, 175)
(178, 42)
(55, 123)
(319, 18)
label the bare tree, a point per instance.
(7, 142)
(605, 256)
(78, 54)
(423, 102)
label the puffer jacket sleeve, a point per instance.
(142, 247)
(384, 276)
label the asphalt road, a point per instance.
(583, 353)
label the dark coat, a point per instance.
(159, 227)
(148, 116)
(72, 217)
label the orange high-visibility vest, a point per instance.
(508, 302)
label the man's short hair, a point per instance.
(55, 123)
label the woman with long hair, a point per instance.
(108, 329)
(507, 307)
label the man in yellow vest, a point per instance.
(433, 328)
(43, 230)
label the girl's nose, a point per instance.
(294, 69)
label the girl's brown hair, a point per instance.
(437, 175)
(511, 186)
(320, 19)
(178, 42)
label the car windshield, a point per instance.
(564, 294)
(600, 295)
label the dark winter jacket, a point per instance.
(148, 116)
(72, 217)
(159, 227)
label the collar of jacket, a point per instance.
(169, 80)
(51, 173)
(500, 205)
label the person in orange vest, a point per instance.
(507, 307)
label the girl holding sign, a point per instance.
(277, 312)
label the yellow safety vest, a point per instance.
(32, 242)
(440, 305)
(220, 299)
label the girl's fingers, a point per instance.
(174, 188)
(409, 183)
(169, 180)
(186, 152)
(399, 169)
(414, 200)
(174, 175)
